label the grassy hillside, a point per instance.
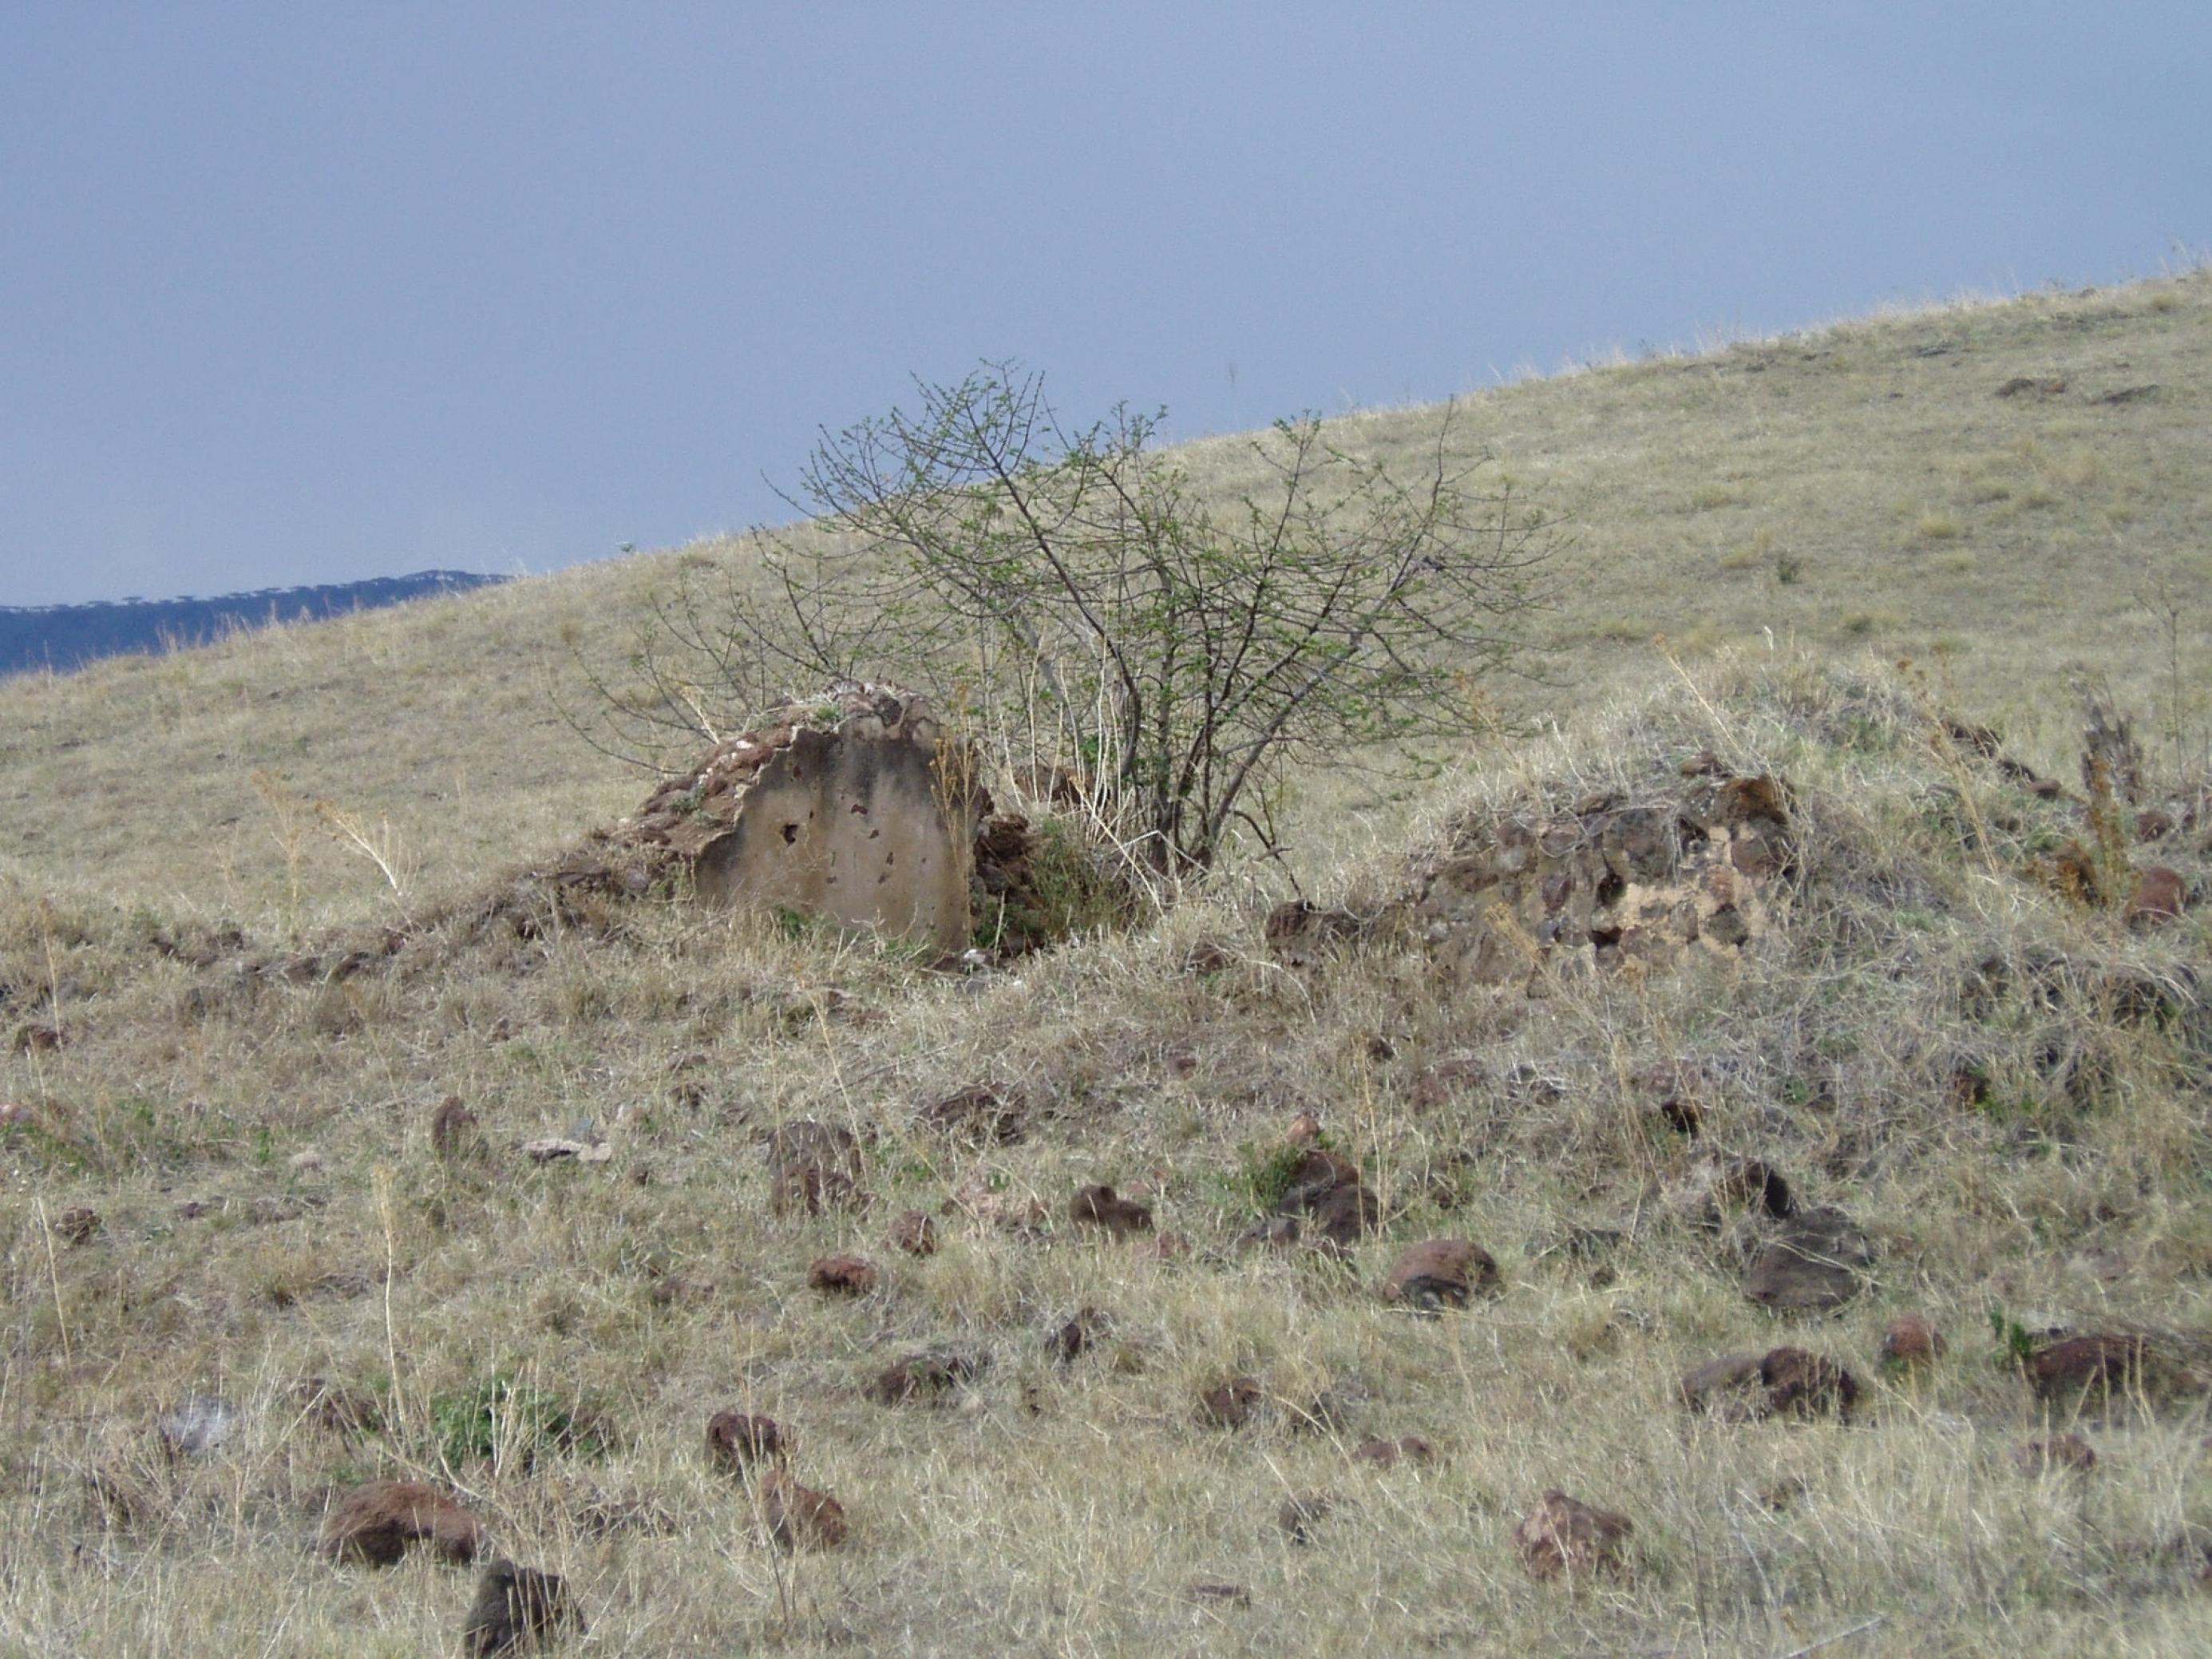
(1912, 509)
(223, 1179)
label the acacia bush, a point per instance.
(1072, 591)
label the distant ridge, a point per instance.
(63, 637)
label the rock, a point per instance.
(1388, 1454)
(812, 1166)
(799, 1517)
(2073, 1369)
(1120, 1217)
(928, 1378)
(198, 1426)
(736, 1441)
(375, 1525)
(517, 1609)
(1732, 1388)
(1440, 1273)
(1564, 1535)
(913, 1232)
(1275, 1232)
(2161, 896)
(1299, 1516)
(1346, 1216)
(1230, 1405)
(976, 1117)
(78, 1224)
(1079, 1334)
(1911, 1340)
(2059, 1452)
(1803, 1384)
(1814, 1265)
(453, 1132)
(842, 1275)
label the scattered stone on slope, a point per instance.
(1699, 869)
(1099, 1206)
(1230, 1404)
(811, 1167)
(2068, 1454)
(1732, 1388)
(2078, 1371)
(927, 1378)
(1440, 1273)
(798, 1517)
(1815, 1265)
(1388, 1454)
(1070, 1340)
(1806, 1385)
(737, 1440)
(516, 1610)
(842, 1275)
(453, 1132)
(1911, 1341)
(2160, 897)
(913, 1232)
(375, 1524)
(976, 1117)
(1564, 1536)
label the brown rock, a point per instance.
(1911, 1340)
(78, 1224)
(1814, 1265)
(2161, 896)
(1230, 1405)
(1803, 1384)
(517, 1609)
(927, 1378)
(2067, 1453)
(914, 1232)
(1564, 1535)
(2075, 1369)
(453, 1132)
(1300, 1516)
(736, 1441)
(1098, 1206)
(1346, 1216)
(842, 1275)
(1079, 1334)
(799, 1517)
(1388, 1454)
(812, 1166)
(377, 1522)
(977, 1116)
(1731, 1388)
(1275, 1232)
(1440, 1273)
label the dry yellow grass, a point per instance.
(270, 1210)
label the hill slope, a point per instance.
(1822, 1018)
(1913, 505)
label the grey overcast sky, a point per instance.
(313, 292)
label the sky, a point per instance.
(315, 292)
